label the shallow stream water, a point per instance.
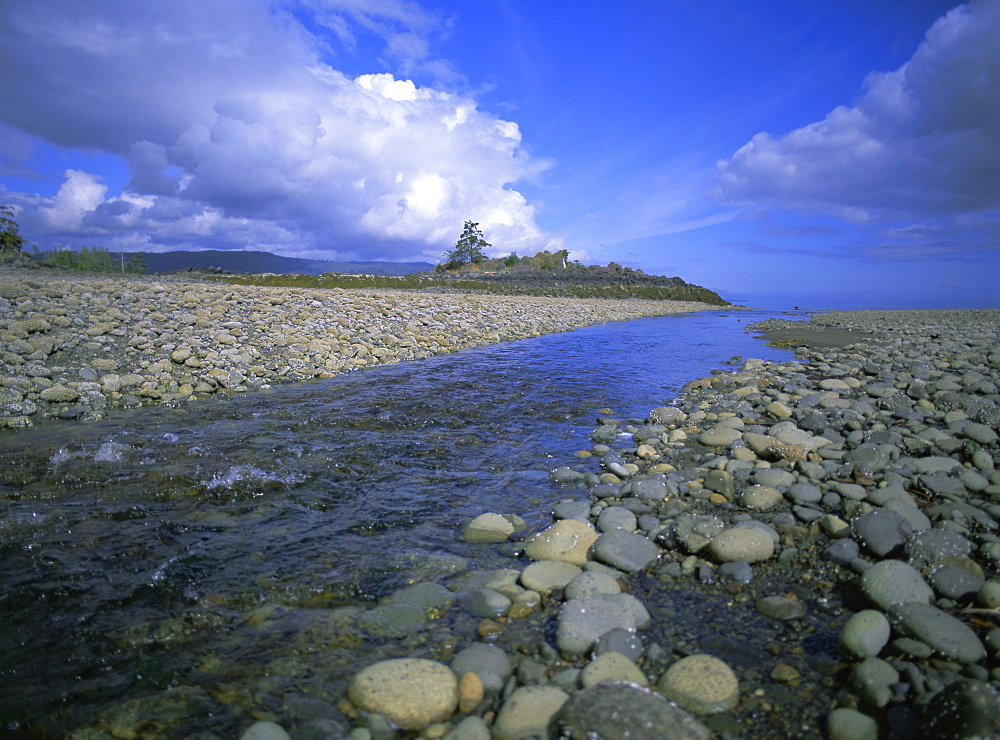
(136, 551)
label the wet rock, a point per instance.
(895, 582)
(410, 692)
(619, 640)
(781, 608)
(527, 712)
(488, 527)
(489, 662)
(625, 550)
(589, 583)
(949, 637)
(848, 724)
(611, 666)
(264, 730)
(962, 711)
(597, 712)
(582, 621)
(881, 532)
(864, 635)
(873, 679)
(616, 517)
(750, 544)
(932, 546)
(548, 575)
(567, 540)
(719, 437)
(955, 582)
(470, 728)
(760, 498)
(701, 684)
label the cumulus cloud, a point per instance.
(921, 141)
(238, 131)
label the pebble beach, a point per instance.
(73, 347)
(837, 517)
(852, 492)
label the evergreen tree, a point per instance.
(468, 248)
(10, 235)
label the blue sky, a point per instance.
(825, 155)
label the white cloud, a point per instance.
(80, 194)
(923, 140)
(238, 134)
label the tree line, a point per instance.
(90, 259)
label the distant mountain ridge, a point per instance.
(260, 262)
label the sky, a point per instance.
(782, 153)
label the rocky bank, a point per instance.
(72, 347)
(791, 550)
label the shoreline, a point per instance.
(837, 522)
(853, 497)
(73, 346)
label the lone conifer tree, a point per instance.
(468, 248)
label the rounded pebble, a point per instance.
(411, 692)
(894, 582)
(701, 684)
(751, 544)
(864, 634)
(598, 712)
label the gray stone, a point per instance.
(881, 532)
(650, 489)
(625, 550)
(589, 583)
(393, 620)
(949, 637)
(619, 640)
(548, 575)
(963, 709)
(868, 457)
(751, 544)
(719, 437)
(470, 728)
(582, 621)
(579, 510)
(864, 635)
(781, 608)
(872, 679)
(849, 724)
(611, 666)
(427, 596)
(980, 433)
(804, 493)
(597, 712)
(736, 571)
(264, 730)
(567, 539)
(952, 581)
(616, 517)
(760, 498)
(527, 712)
(894, 582)
(773, 477)
(488, 662)
(721, 482)
(489, 603)
(932, 546)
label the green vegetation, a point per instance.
(95, 259)
(10, 234)
(430, 283)
(468, 249)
